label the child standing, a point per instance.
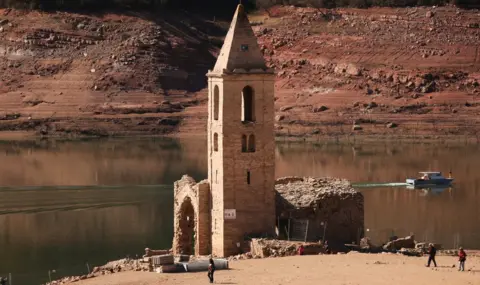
(462, 257)
(211, 270)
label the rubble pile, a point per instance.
(265, 248)
(109, 268)
(407, 246)
(398, 244)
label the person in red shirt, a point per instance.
(462, 257)
(301, 250)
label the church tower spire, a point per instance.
(240, 49)
(241, 148)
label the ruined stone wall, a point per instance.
(328, 200)
(191, 226)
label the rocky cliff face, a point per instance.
(381, 71)
(101, 74)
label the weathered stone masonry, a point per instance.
(191, 217)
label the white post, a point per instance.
(306, 231)
(9, 278)
(324, 230)
(289, 229)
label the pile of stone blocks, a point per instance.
(164, 263)
(262, 248)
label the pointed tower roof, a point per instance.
(240, 49)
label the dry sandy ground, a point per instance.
(352, 268)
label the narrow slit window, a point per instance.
(251, 143)
(244, 143)
(216, 176)
(248, 105)
(248, 177)
(215, 142)
(216, 102)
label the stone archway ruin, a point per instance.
(191, 217)
(186, 228)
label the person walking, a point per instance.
(462, 257)
(211, 270)
(432, 251)
(326, 248)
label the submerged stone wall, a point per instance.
(329, 200)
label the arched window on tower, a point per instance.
(215, 142)
(216, 102)
(248, 105)
(244, 143)
(251, 143)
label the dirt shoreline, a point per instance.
(357, 138)
(351, 268)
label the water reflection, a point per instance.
(63, 227)
(448, 216)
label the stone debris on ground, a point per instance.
(264, 248)
(151, 252)
(407, 242)
(406, 245)
(111, 267)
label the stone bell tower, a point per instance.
(241, 148)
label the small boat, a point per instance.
(430, 178)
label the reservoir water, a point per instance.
(66, 206)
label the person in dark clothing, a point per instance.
(432, 251)
(3, 281)
(211, 270)
(326, 248)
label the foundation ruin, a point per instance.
(312, 209)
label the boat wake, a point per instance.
(373, 185)
(40, 199)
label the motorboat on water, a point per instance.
(430, 178)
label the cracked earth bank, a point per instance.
(410, 72)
